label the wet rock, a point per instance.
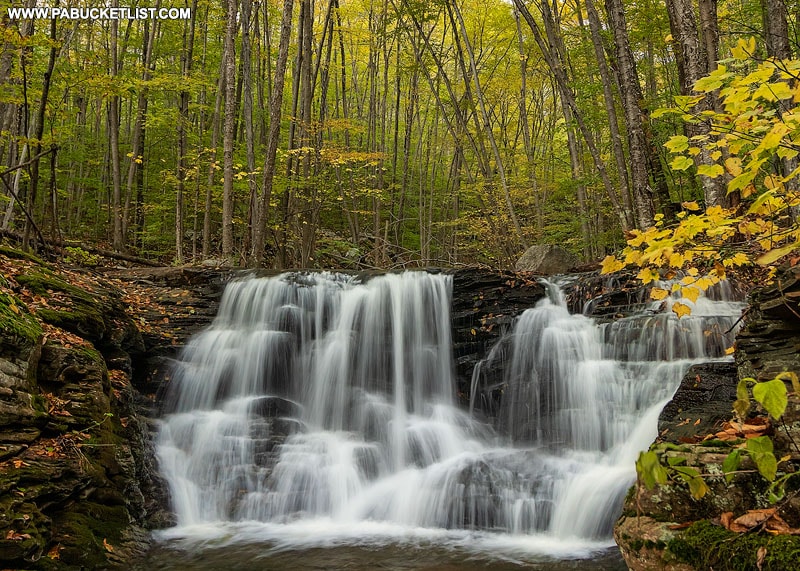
(703, 401)
(271, 406)
(485, 305)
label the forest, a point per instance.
(401, 133)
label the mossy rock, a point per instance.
(83, 313)
(17, 324)
(10, 252)
(25, 532)
(88, 532)
(42, 280)
(705, 545)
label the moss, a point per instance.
(19, 254)
(84, 312)
(83, 530)
(16, 321)
(705, 545)
(86, 323)
(43, 280)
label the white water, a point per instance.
(317, 410)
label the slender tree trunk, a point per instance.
(212, 163)
(229, 130)
(488, 127)
(39, 122)
(183, 123)
(247, 119)
(273, 138)
(631, 92)
(694, 60)
(595, 28)
(113, 130)
(562, 82)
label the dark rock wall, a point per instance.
(75, 458)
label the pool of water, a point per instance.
(174, 554)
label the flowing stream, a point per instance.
(319, 412)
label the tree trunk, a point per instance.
(183, 124)
(595, 28)
(695, 62)
(273, 137)
(37, 146)
(631, 92)
(228, 131)
(113, 139)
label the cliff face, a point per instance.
(664, 528)
(76, 467)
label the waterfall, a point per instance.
(317, 402)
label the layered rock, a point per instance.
(75, 459)
(664, 528)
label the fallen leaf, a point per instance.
(55, 552)
(108, 546)
(761, 554)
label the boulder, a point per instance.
(546, 260)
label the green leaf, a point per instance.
(711, 171)
(731, 464)
(650, 470)
(697, 487)
(762, 198)
(741, 181)
(772, 396)
(681, 163)
(760, 450)
(712, 81)
(677, 144)
(792, 377)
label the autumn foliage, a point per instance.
(753, 144)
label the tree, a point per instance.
(705, 245)
(273, 137)
(229, 129)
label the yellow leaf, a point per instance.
(744, 49)
(108, 546)
(681, 163)
(690, 205)
(676, 260)
(729, 351)
(647, 275)
(610, 265)
(681, 309)
(734, 166)
(711, 171)
(771, 182)
(690, 293)
(774, 255)
(658, 294)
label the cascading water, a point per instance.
(317, 405)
